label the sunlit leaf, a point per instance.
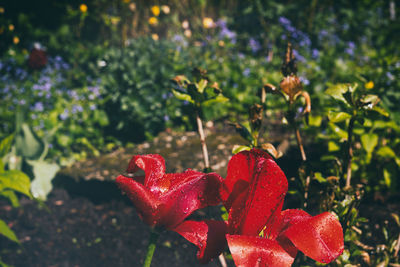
(369, 142)
(15, 180)
(7, 232)
(5, 145)
(338, 116)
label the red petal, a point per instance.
(153, 166)
(208, 236)
(240, 173)
(199, 191)
(262, 203)
(257, 251)
(319, 237)
(145, 202)
(288, 218)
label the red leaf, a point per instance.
(250, 251)
(319, 237)
(208, 236)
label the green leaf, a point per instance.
(182, 96)
(201, 85)
(369, 142)
(5, 145)
(387, 177)
(7, 232)
(27, 143)
(218, 99)
(236, 149)
(332, 146)
(44, 173)
(338, 131)
(15, 180)
(380, 111)
(386, 152)
(319, 178)
(194, 93)
(337, 90)
(11, 196)
(338, 116)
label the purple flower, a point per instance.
(38, 107)
(350, 48)
(64, 115)
(92, 107)
(254, 45)
(76, 108)
(298, 56)
(246, 72)
(305, 81)
(315, 53)
(166, 118)
(284, 21)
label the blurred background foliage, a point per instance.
(104, 78)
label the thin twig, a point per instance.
(203, 141)
(397, 248)
(222, 260)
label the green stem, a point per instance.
(151, 247)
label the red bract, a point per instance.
(253, 194)
(165, 200)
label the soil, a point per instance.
(86, 221)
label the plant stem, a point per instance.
(151, 247)
(203, 141)
(304, 159)
(300, 143)
(350, 150)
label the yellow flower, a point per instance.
(11, 27)
(153, 21)
(165, 9)
(126, 1)
(154, 36)
(1, 10)
(188, 33)
(369, 85)
(208, 23)
(155, 10)
(15, 40)
(83, 8)
(185, 24)
(132, 6)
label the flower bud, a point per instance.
(291, 85)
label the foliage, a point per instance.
(12, 182)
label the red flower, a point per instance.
(166, 199)
(254, 191)
(37, 59)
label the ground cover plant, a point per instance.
(83, 80)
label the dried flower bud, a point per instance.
(271, 150)
(289, 66)
(37, 59)
(291, 85)
(256, 115)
